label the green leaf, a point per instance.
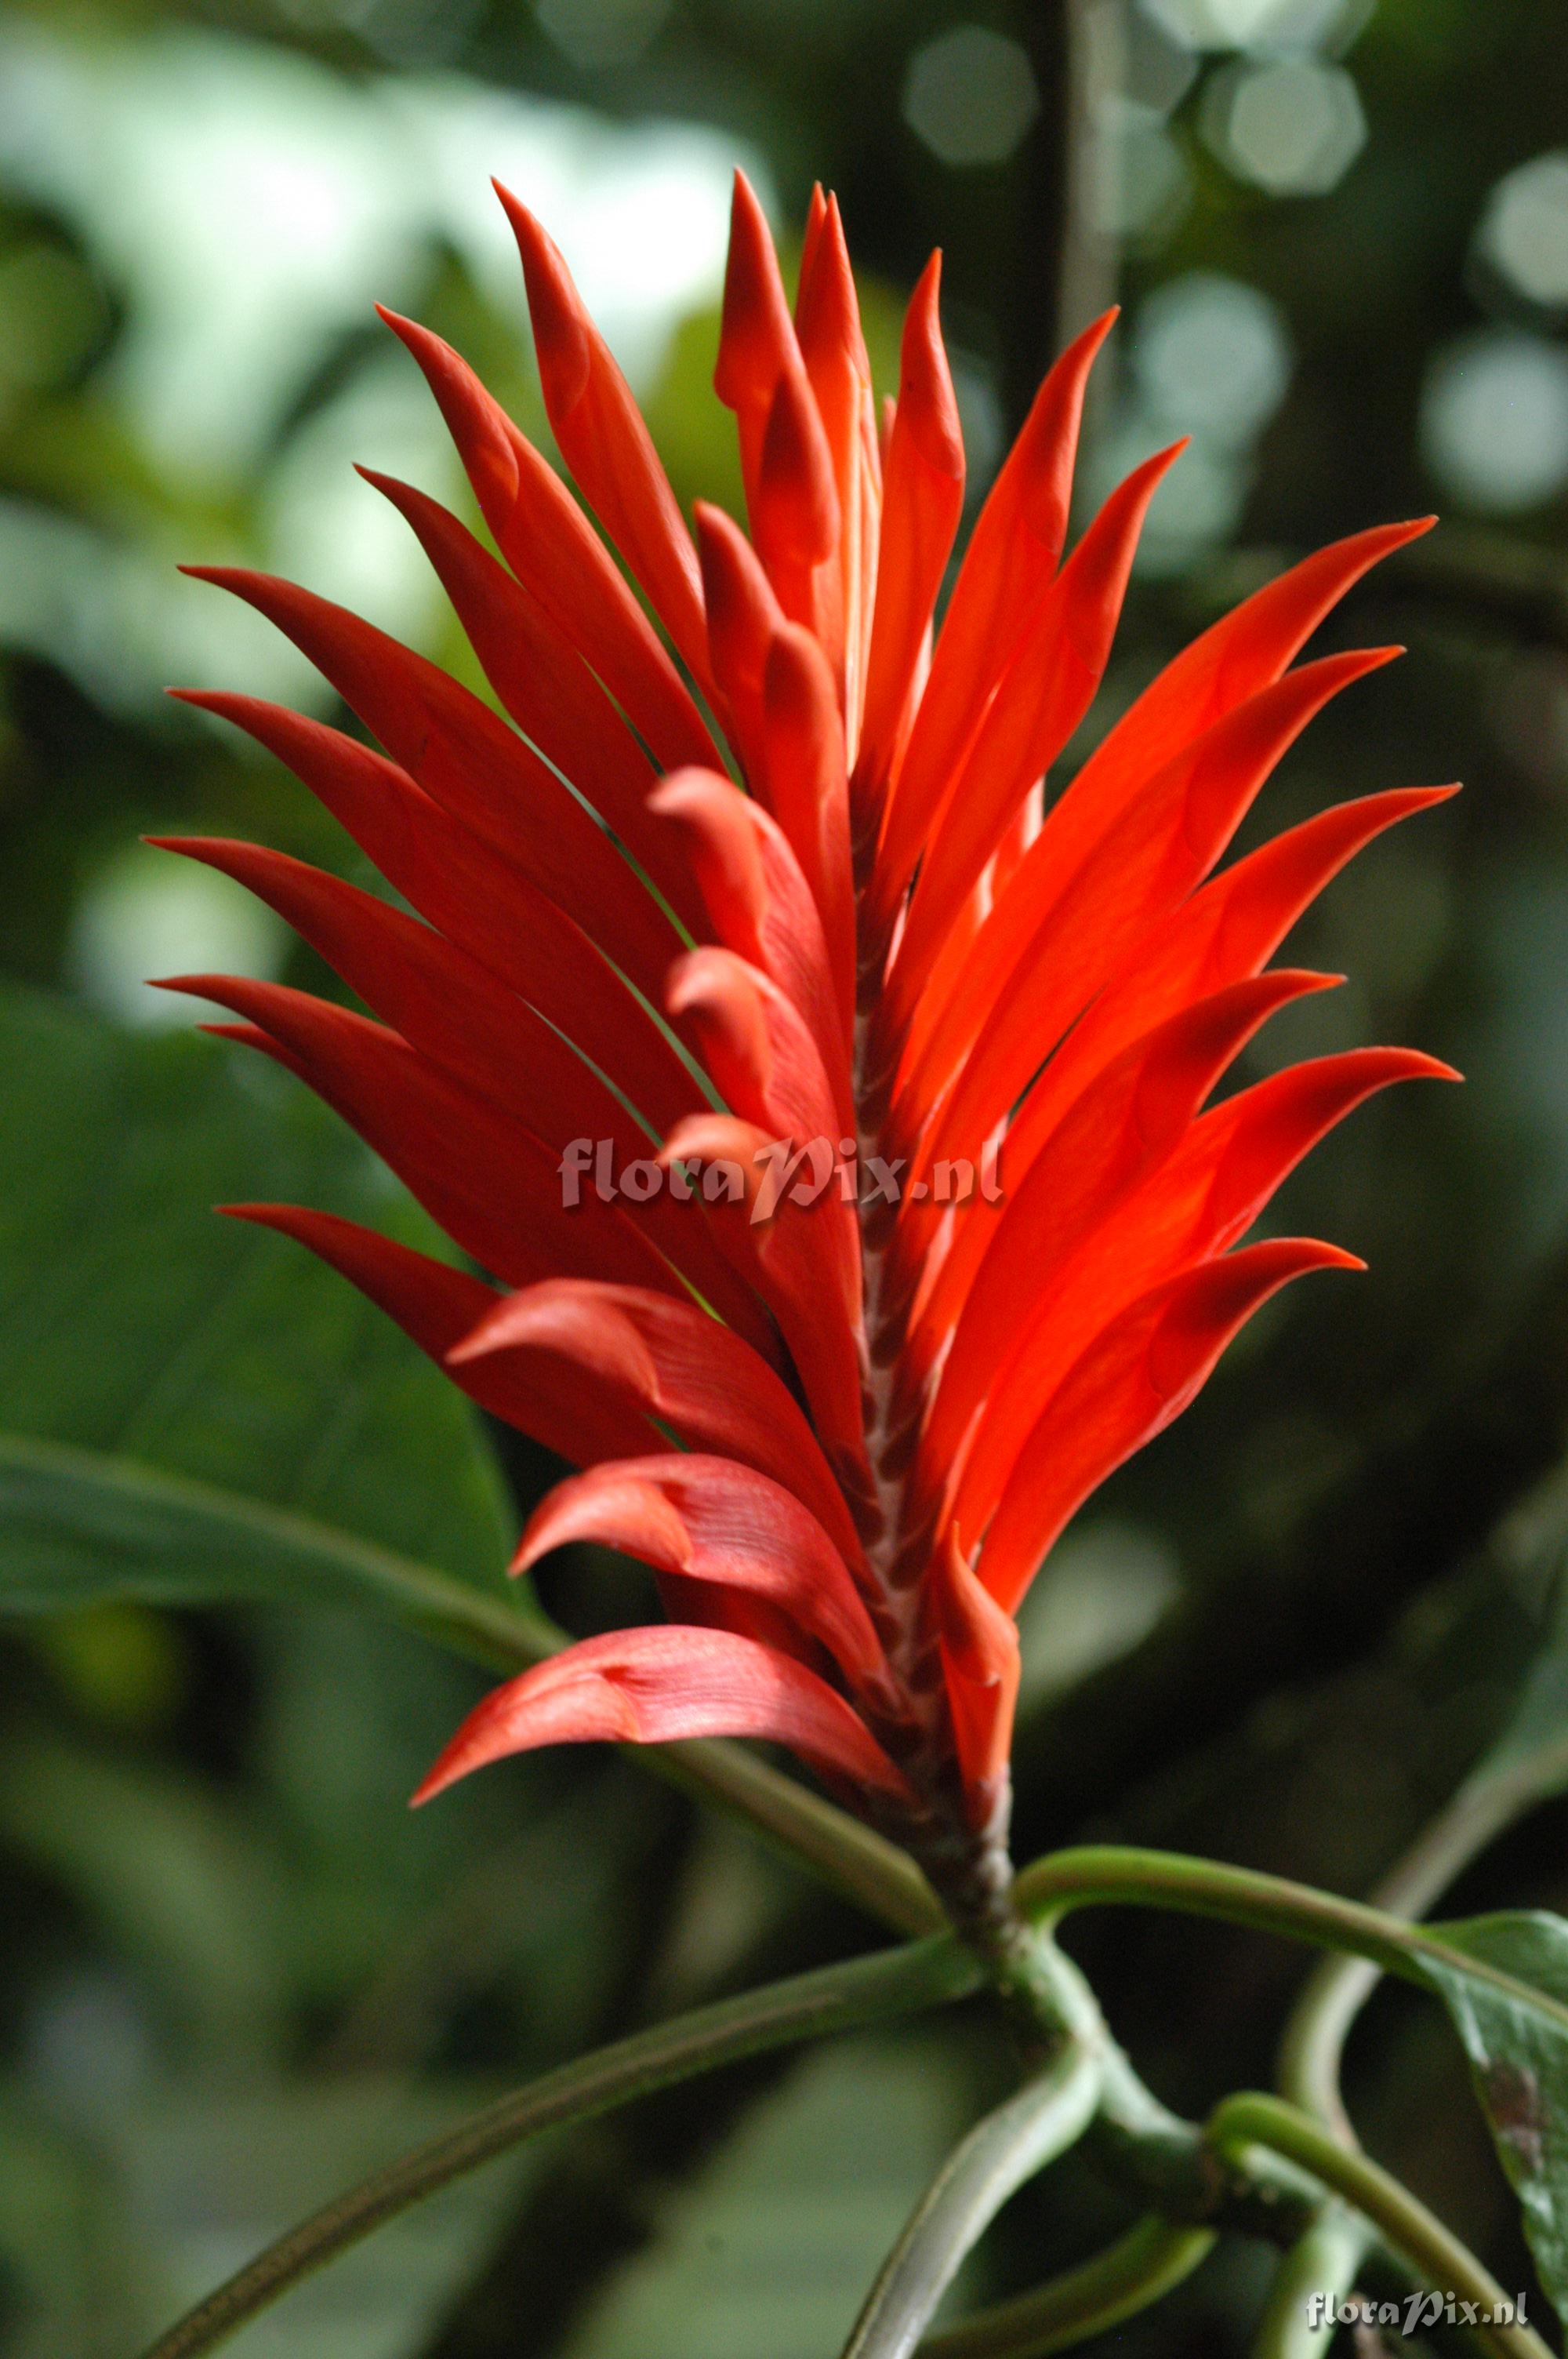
(768, 2254)
(136, 1326)
(75, 1525)
(1518, 2056)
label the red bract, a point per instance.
(841, 1405)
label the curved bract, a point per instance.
(822, 1087)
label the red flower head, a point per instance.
(826, 1104)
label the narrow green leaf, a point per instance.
(1518, 2056)
(76, 1526)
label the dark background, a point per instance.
(234, 1973)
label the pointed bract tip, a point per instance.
(713, 522)
(1085, 347)
(428, 349)
(538, 248)
(194, 986)
(434, 1782)
(1383, 539)
(748, 216)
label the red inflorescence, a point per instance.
(761, 875)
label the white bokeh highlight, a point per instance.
(147, 913)
(970, 95)
(1523, 232)
(1494, 420)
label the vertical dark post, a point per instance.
(1064, 262)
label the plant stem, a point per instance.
(1092, 1876)
(1444, 2261)
(1130, 2276)
(1323, 2261)
(1137, 2142)
(1044, 2117)
(1313, 2046)
(858, 1862)
(1065, 266)
(834, 1998)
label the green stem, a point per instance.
(1130, 2276)
(1097, 1874)
(1044, 2117)
(1163, 2162)
(834, 1998)
(861, 1864)
(1322, 2263)
(1313, 2049)
(1446, 2263)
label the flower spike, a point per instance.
(829, 1096)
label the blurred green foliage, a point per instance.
(234, 1970)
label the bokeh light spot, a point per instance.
(1494, 420)
(149, 913)
(1211, 357)
(970, 95)
(1292, 127)
(1278, 24)
(1523, 232)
